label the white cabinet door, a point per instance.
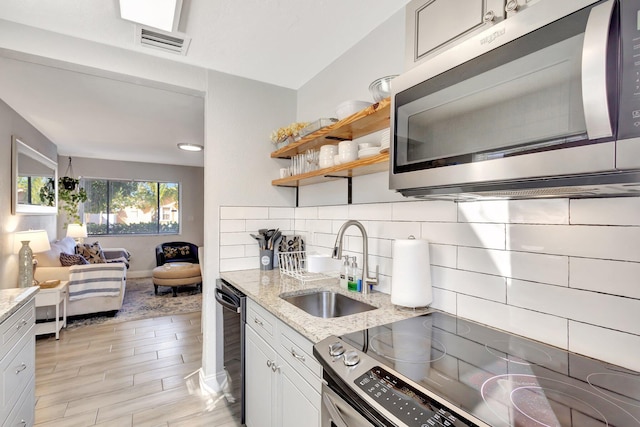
(300, 403)
(434, 25)
(259, 381)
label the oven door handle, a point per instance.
(229, 301)
(333, 411)
(594, 71)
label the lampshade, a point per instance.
(77, 231)
(38, 240)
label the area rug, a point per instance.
(140, 302)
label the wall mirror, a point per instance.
(34, 181)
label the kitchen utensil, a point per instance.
(381, 88)
(348, 108)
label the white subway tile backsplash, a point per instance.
(613, 346)
(375, 211)
(514, 265)
(333, 212)
(443, 255)
(227, 239)
(439, 211)
(614, 211)
(243, 212)
(550, 269)
(233, 251)
(606, 242)
(282, 213)
(531, 324)
(491, 236)
(609, 277)
(537, 211)
(256, 224)
(444, 300)
(575, 304)
(306, 213)
(469, 283)
(393, 230)
(236, 264)
(232, 225)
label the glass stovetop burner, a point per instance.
(503, 379)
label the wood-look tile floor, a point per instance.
(126, 374)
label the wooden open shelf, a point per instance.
(371, 119)
(368, 165)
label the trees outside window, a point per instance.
(132, 207)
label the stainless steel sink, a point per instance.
(327, 304)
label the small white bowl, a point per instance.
(368, 152)
(348, 108)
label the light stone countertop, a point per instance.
(265, 287)
(11, 300)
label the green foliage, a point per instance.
(70, 199)
(137, 228)
(48, 192)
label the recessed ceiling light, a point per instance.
(190, 147)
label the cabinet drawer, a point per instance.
(16, 369)
(261, 321)
(12, 329)
(298, 352)
(24, 413)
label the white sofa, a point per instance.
(106, 282)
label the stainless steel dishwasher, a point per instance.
(234, 318)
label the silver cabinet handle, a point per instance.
(511, 6)
(21, 324)
(296, 355)
(21, 368)
(274, 367)
(23, 423)
(269, 363)
(255, 320)
(489, 16)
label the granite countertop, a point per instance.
(265, 287)
(11, 300)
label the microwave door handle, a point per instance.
(594, 71)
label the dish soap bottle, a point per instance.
(352, 278)
(344, 273)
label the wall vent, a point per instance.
(169, 42)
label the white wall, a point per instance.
(142, 248)
(380, 54)
(240, 114)
(12, 124)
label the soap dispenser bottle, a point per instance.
(353, 276)
(344, 283)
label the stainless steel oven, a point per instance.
(546, 102)
(440, 370)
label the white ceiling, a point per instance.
(282, 42)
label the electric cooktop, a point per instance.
(495, 377)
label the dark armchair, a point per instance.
(176, 252)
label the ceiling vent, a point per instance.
(176, 43)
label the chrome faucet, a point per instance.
(337, 254)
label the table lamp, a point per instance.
(26, 243)
(77, 231)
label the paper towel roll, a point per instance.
(411, 275)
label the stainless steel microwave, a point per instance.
(544, 103)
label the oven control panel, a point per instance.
(407, 403)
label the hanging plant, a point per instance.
(71, 199)
(68, 183)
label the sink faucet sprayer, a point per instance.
(337, 254)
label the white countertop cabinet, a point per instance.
(283, 379)
(17, 364)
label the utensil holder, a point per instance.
(266, 259)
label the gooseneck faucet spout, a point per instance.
(337, 253)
